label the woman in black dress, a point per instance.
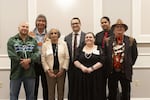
(88, 63)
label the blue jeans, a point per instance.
(15, 85)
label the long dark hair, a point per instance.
(41, 16)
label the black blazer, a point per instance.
(99, 37)
(68, 40)
(130, 57)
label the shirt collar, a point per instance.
(77, 33)
(18, 37)
(37, 32)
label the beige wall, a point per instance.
(145, 17)
(119, 9)
(13, 12)
(59, 16)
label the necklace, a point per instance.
(55, 49)
(87, 55)
(55, 53)
(118, 54)
(88, 52)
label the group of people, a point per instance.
(91, 61)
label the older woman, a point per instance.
(55, 59)
(88, 62)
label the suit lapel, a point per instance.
(82, 38)
(70, 41)
(111, 44)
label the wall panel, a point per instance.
(12, 12)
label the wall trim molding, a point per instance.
(134, 68)
(97, 14)
(67, 99)
(140, 54)
(3, 56)
(32, 13)
(136, 22)
(140, 64)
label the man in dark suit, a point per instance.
(121, 54)
(73, 40)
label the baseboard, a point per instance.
(140, 98)
(66, 99)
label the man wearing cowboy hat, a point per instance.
(121, 54)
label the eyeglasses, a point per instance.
(53, 33)
(88, 37)
(119, 26)
(74, 23)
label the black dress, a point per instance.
(88, 86)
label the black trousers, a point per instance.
(40, 74)
(70, 85)
(71, 82)
(113, 80)
(104, 82)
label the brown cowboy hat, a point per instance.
(120, 22)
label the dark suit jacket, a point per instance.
(98, 41)
(130, 57)
(99, 37)
(68, 40)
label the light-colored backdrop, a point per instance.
(59, 14)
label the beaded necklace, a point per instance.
(118, 54)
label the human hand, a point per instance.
(51, 74)
(25, 63)
(90, 70)
(84, 69)
(60, 73)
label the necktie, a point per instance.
(75, 45)
(105, 36)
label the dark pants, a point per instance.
(104, 83)
(40, 74)
(71, 82)
(113, 86)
